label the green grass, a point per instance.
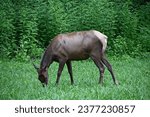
(19, 81)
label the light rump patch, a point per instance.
(102, 37)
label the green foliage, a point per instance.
(51, 20)
(27, 26)
(28, 33)
(144, 27)
(120, 46)
(7, 29)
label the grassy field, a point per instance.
(19, 81)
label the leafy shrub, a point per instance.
(27, 26)
(144, 27)
(120, 46)
(7, 30)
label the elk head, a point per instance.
(42, 75)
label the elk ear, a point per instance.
(35, 67)
(45, 68)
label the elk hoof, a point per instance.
(56, 83)
(101, 83)
(116, 83)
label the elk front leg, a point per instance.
(69, 66)
(61, 66)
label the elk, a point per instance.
(65, 48)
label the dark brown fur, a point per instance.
(75, 46)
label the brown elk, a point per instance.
(75, 46)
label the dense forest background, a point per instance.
(27, 26)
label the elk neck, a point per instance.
(47, 58)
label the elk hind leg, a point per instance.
(101, 68)
(109, 67)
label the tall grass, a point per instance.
(19, 81)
